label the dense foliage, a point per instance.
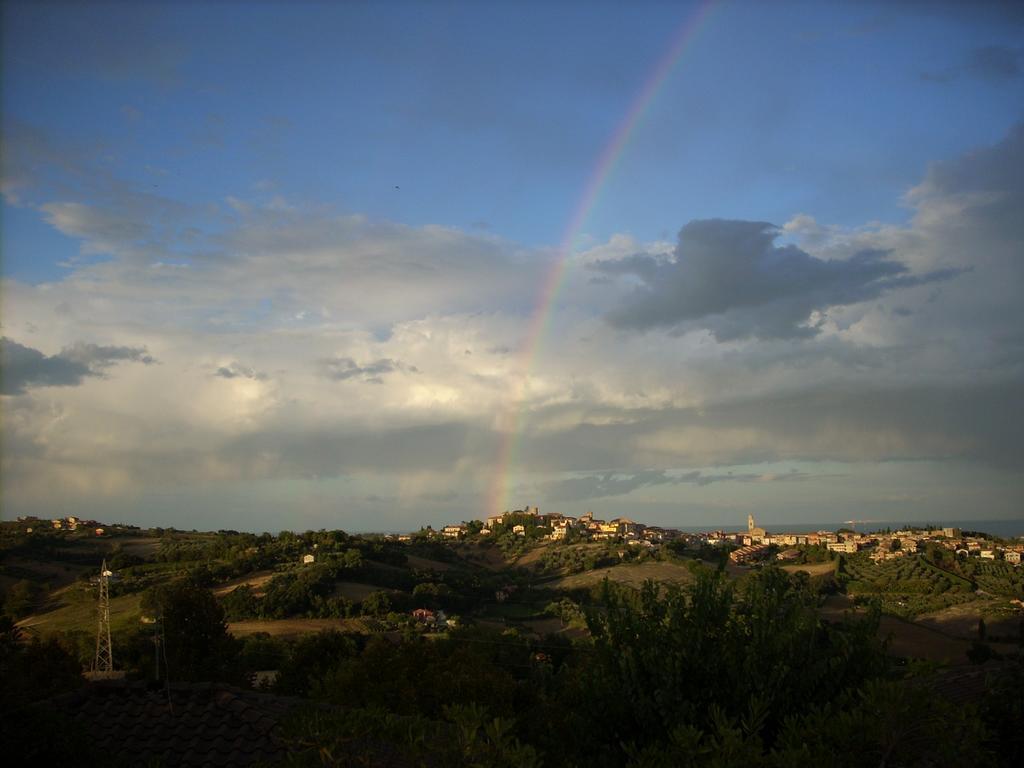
(711, 675)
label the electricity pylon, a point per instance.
(104, 661)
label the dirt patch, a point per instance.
(812, 569)
(912, 639)
(295, 627)
(962, 620)
(532, 558)
(256, 579)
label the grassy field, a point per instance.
(532, 558)
(426, 564)
(632, 575)
(75, 609)
(489, 557)
(295, 627)
(352, 590)
(513, 611)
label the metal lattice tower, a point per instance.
(104, 661)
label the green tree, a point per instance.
(714, 654)
(22, 598)
(376, 604)
(195, 635)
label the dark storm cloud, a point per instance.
(24, 367)
(341, 451)
(976, 423)
(98, 357)
(239, 371)
(618, 484)
(730, 278)
(345, 369)
(995, 171)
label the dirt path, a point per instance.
(294, 627)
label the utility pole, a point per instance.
(104, 661)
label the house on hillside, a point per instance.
(454, 531)
(847, 547)
(749, 554)
(424, 615)
(559, 530)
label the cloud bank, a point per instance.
(673, 376)
(22, 367)
(730, 278)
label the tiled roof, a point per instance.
(203, 724)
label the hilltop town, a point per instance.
(514, 607)
(753, 545)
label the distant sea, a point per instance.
(1006, 529)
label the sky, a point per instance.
(374, 266)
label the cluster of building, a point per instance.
(753, 544)
(433, 619)
(563, 526)
(69, 523)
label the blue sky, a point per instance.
(494, 115)
(434, 154)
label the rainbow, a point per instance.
(548, 293)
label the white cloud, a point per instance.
(303, 345)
